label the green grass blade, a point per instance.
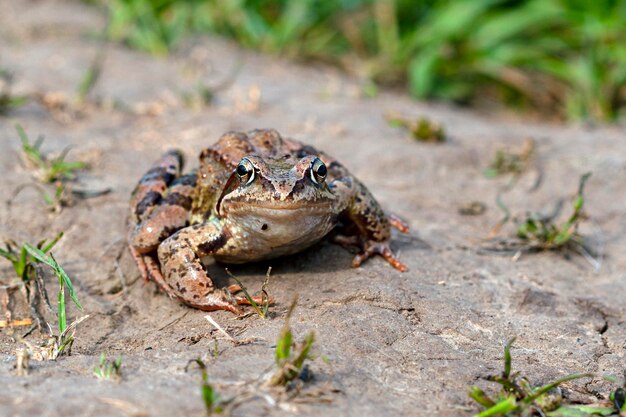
(60, 272)
(480, 397)
(20, 265)
(254, 305)
(50, 245)
(304, 353)
(89, 80)
(507, 358)
(283, 346)
(209, 396)
(8, 255)
(581, 411)
(61, 309)
(22, 134)
(501, 408)
(544, 389)
(39, 255)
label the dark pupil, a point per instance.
(321, 170)
(242, 170)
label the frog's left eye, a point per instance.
(318, 171)
(245, 171)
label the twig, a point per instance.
(229, 337)
(18, 322)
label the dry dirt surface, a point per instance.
(397, 344)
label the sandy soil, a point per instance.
(397, 344)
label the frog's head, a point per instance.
(278, 195)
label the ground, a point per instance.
(397, 343)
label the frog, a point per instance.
(254, 196)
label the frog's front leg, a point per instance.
(183, 273)
(373, 225)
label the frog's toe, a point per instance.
(397, 223)
(141, 263)
(259, 299)
(216, 300)
(379, 248)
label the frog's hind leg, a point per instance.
(159, 206)
(152, 185)
(180, 258)
(171, 213)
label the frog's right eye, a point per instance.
(245, 171)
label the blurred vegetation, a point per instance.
(565, 57)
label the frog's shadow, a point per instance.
(322, 257)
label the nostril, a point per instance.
(264, 227)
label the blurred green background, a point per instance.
(564, 58)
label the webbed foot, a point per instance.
(379, 248)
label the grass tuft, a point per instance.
(109, 370)
(511, 162)
(538, 232)
(24, 263)
(8, 100)
(542, 233)
(55, 175)
(420, 129)
(64, 281)
(566, 58)
(213, 403)
(48, 170)
(518, 398)
(290, 357)
(29, 276)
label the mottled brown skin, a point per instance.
(254, 196)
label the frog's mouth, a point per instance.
(288, 226)
(279, 206)
(286, 212)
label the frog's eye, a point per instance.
(245, 171)
(318, 171)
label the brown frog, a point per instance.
(254, 196)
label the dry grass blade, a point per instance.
(234, 341)
(22, 361)
(221, 330)
(16, 323)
